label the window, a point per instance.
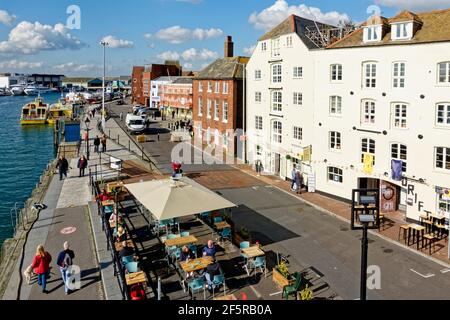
(367, 146)
(277, 101)
(335, 174)
(298, 72)
(259, 150)
(372, 33)
(225, 88)
(335, 140)
(276, 47)
(289, 41)
(225, 139)
(200, 87)
(200, 106)
(368, 112)
(442, 158)
(276, 73)
(258, 96)
(225, 111)
(263, 46)
(401, 31)
(398, 74)
(217, 87)
(444, 72)
(208, 110)
(370, 75)
(399, 152)
(336, 72)
(257, 74)
(298, 98)
(443, 204)
(277, 132)
(443, 114)
(216, 110)
(258, 123)
(209, 86)
(400, 113)
(335, 105)
(298, 133)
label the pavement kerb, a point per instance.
(440, 262)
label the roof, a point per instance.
(224, 68)
(184, 80)
(435, 28)
(376, 20)
(77, 80)
(166, 79)
(298, 25)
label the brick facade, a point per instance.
(155, 71)
(177, 97)
(136, 85)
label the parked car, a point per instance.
(135, 124)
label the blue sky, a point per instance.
(34, 36)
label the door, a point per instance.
(276, 164)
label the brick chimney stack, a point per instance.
(229, 47)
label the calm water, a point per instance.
(24, 154)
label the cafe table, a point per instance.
(136, 277)
(119, 246)
(181, 241)
(222, 225)
(107, 203)
(114, 185)
(417, 231)
(226, 297)
(196, 264)
(252, 253)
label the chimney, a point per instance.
(229, 45)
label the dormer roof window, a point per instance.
(375, 29)
(404, 25)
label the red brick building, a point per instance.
(154, 71)
(136, 85)
(177, 97)
(218, 100)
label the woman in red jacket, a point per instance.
(41, 266)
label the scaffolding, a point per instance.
(323, 35)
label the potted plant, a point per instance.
(305, 294)
(281, 275)
(288, 157)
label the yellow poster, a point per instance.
(368, 163)
(307, 154)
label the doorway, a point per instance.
(276, 163)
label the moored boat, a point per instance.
(60, 110)
(35, 112)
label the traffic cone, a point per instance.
(244, 296)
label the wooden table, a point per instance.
(119, 245)
(227, 297)
(136, 277)
(416, 230)
(107, 203)
(114, 185)
(253, 252)
(196, 264)
(181, 241)
(222, 225)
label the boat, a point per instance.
(17, 89)
(34, 90)
(35, 112)
(60, 110)
(4, 92)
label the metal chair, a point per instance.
(132, 267)
(197, 285)
(292, 289)
(244, 245)
(127, 259)
(218, 281)
(185, 234)
(260, 262)
(193, 248)
(225, 234)
(218, 219)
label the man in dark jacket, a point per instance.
(125, 251)
(96, 144)
(212, 270)
(63, 166)
(65, 261)
(82, 165)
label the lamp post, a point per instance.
(365, 215)
(104, 44)
(87, 122)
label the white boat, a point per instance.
(34, 90)
(17, 89)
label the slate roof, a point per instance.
(223, 69)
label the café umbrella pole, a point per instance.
(159, 288)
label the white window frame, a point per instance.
(200, 107)
(297, 133)
(275, 47)
(370, 74)
(402, 31)
(443, 73)
(444, 152)
(297, 73)
(200, 86)
(225, 111)
(398, 74)
(335, 105)
(336, 72)
(441, 203)
(372, 33)
(277, 131)
(289, 41)
(443, 112)
(225, 88)
(258, 97)
(259, 150)
(258, 123)
(216, 110)
(400, 115)
(277, 101)
(258, 75)
(333, 173)
(335, 141)
(403, 156)
(277, 73)
(368, 146)
(210, 86)
(208, 108)
(368, 112)
(263, 46)
(217, 87)
(298, 99)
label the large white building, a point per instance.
(381, 93)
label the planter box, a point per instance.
(237, 239)
(280, 280)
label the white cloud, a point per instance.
(414, 4)
(280, 10)
(76, 67)
(151, 45)
(199, 55)
(188, 66)
(31, 38)
(6, 18)
(177, 34)
(148, 36)
(114, 42)
(249, 50)
(16, 64)
(168, 55)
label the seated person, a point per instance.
(209, 250)
(103, 196)
(126, 250)
(186, 254)
(121, 235)
(212, 270)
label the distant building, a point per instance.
(177, 97)
(9, 79)
(136, 85)
(48, 80)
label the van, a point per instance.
(135, 124)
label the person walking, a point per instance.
(299, 182)
(93, 113)
(82, 165)
(41, 266)
(103, 141)
(158, 137)
(63, 166)
(121, 116)
(96, 144)
(65, 260)
(293, 176)
(173, 115)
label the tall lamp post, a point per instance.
(365, 216)
(104, 44)
(87, 122)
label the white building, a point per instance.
(156, 90)
(9, 79)
(381, 92)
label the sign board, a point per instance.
(311, 182)
(307, 154)
(115, 163)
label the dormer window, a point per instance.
(372, 33)
(402, 31)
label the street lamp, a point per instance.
(365, 216)
(87, 122)
(104, 44)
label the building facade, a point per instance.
(10, 79)
(176, 97)
(137, 85)
(154, 71)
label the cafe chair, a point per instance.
(244, 245)
(197, 285)
(132, 267)
(292, 289)
(108, 209)
(193, 248)
(185, 234)
(219, 280)
(225, 234)
(260, 262)
(127, 259)
(218, 219)
(205, 215)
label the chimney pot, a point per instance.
(229, 47)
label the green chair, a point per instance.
(292, 289)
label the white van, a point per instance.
(135, 124)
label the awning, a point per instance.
(167, 199)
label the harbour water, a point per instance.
(24, 154)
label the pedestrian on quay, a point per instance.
(96, 144)
(93, 113)
(103, 141)
(121, 116)
(158, 137)
(82, 165)
(173, 115)
(63, 166)
(299, 182)
(65, 261)
(293, 175)
(177, 125)
(41, 266)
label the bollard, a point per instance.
(118, 139)
(129, 146)
(159, 288)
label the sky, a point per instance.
(64, 36)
